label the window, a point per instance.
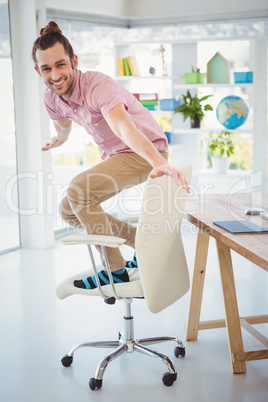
(9, 219)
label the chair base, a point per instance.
(127, 343)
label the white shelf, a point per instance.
(231, 173)
(161, 112)
(204, 130)
(142, 77)
(211, 85)
(182, 86)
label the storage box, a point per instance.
(194, 78)
(168, 135)
(150, 107)
(243, 77)
(169, 104)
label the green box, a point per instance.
(194, 78)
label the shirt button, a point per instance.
(96, 124)
(75, 110)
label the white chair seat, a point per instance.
(100, 240)
(131, 289)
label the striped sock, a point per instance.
(119, 276)
(133, 263)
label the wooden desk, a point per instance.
(202, 212)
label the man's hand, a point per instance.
(63, 128)
(52, 143)
(166, 169)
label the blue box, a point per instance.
(168, 135)
(169, 104)
(243, 77)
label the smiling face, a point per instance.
(57, 70)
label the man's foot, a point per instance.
(119, 276)
(133, 263)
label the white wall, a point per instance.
(162, 8)
(103, 7)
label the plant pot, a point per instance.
(194, 78)
(195, 123)
(220, 164)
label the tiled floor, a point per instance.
(37, 329)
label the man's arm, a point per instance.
(124, 127)
(63, 128)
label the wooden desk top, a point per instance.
(202, 210)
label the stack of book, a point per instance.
(150, 101)
(127, 66)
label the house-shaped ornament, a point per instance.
(218, 69)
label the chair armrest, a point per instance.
(100, 240)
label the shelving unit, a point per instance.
(184, 56)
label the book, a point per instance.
(126, 67)
(152, 96)
(132, 62)
(149, 102)
(120, 67)
(146, 97)
(150, 107)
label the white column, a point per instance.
(185, 145)
(260, 110)
(32, 127)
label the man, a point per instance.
(133, 144)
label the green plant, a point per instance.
(223, 145)
(192, 106)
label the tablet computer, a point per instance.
(240, 227)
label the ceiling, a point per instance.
(180, 10)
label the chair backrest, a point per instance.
(159, 248)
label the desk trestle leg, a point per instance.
(197, 286)
(231, 308)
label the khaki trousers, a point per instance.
(81, 206)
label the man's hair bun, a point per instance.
(51, 28)
(49, 36)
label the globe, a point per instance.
(232, 112)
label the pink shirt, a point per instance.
(94, 95)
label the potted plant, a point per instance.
(221, 149)
(192, 108)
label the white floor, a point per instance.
(37, 329)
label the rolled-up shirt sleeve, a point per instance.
(106, 95)
(51, 109)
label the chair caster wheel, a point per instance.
(169, 378)
(67, 360)
(95, 384)
(179, 351)
(110, 300)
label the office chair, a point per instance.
(161, 278)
